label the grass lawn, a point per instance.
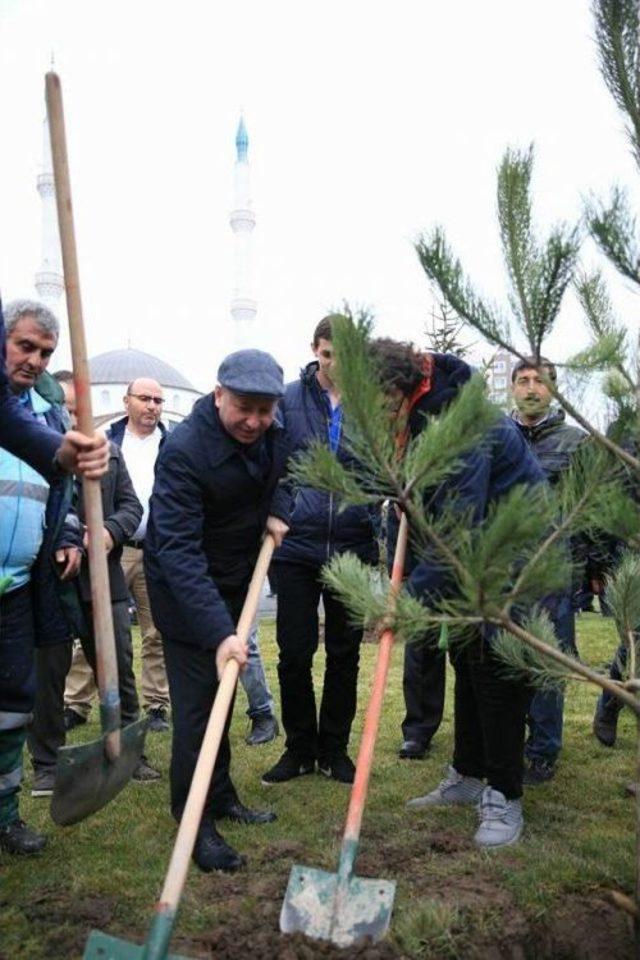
(545, 897)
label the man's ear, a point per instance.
(217, 394)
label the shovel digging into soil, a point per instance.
(340, 906)
(100, 946)
(90, 775)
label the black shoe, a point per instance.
(212, 852)
(605, 725)
(339, 767)
(72, 719)
(287, 768)
(145, 773)
(538, 771)
(19, 838)
(237, 812)
(412, 750)
(158, 722)
(263, 730)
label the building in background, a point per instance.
(112, 372)
(498, 374)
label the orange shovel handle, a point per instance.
(374, 708)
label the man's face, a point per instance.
(323, 352)
(530, 393)
(245, 417)
(29, 350)
(70, 401)
(143, 404)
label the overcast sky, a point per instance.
(368, 122)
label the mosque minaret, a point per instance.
(48, 280)
(242, 219)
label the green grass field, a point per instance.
(545, 897)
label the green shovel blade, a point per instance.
(316, 905)
(86, 780)
(100, 946)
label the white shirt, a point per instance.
(140, 456)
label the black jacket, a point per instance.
(318, 528)
(122, 513)
(210, 501)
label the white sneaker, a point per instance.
(501, 820)
(455, 788)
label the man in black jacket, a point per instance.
(122, 512)
(311, 412)
(554, 443)
(216, 488)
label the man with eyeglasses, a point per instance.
(140, 435)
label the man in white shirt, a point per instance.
(140, 435)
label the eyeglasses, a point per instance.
(147, 398)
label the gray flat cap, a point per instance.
(253, 372)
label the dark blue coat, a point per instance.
(502, 462)
(318, 529)
(20, 434)
(210, 502)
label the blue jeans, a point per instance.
(546, 710)
(254, 681)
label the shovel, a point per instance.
(340, 906)
(100, 946)
(88, 776)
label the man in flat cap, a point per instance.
(215, 492)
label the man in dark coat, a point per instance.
(122, 512)
(216, 488)
(490, 708)
(554, 442)
(311, 411)
(44, 449)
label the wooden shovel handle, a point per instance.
(374, 708)
(190, 822)
(100, 594)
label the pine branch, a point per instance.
(569, 663)
(610, 337)
(605, 441)
(521, 659)
(614, 229)
(514, 218)
(446, 273)
(616, 23)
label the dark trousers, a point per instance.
(490, 711)
(193, 685)
(309, 735)
(47, 732)
(423, 685)
(17, 692)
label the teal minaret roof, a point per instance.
(242, 141)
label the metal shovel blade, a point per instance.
(100, 946)
(86, 780)
(317, 905)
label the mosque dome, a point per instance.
(123, 366)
